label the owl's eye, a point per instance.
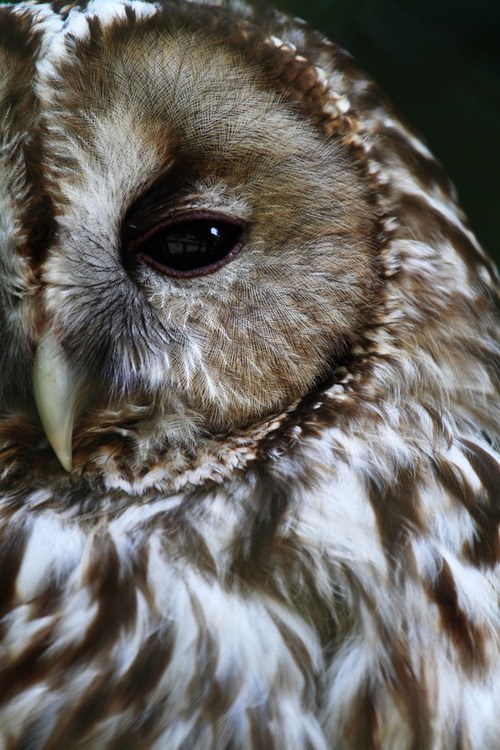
(192, 246)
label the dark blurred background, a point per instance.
(439, 60)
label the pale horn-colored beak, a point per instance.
(56, 396)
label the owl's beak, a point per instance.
(55, 392)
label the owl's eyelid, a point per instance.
(181, 218)
(196, 256)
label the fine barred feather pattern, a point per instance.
(254, 506)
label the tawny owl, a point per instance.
(249, 397)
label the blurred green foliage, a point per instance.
(439, 61)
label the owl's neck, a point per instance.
(118, 450)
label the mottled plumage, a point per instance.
(249, 503)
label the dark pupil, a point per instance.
(191, 244)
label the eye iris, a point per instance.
(191, 246)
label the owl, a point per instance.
(249, 398)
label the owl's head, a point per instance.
(197, 239)
(195, 221)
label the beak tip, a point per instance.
(55, 391)
(61, 445)
(65, 460)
